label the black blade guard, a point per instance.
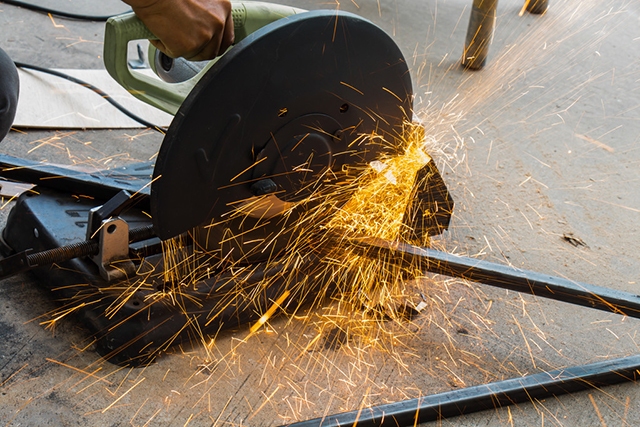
(290, 101)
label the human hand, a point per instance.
(194, 29)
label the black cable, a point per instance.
(97, 18)
(96, 90)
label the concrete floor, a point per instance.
(543, 143)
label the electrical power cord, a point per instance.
(96, 90)
(71, 15)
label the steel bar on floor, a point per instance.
(487, 396)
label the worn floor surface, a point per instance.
(541, 151)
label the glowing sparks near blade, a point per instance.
(265, 317)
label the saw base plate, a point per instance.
(148, 321)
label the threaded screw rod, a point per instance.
(27, 260)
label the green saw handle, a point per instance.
(120, 30)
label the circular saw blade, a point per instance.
(303, 89)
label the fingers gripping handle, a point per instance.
(251, 16)
(120, 30)
(135, 28)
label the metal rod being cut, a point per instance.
(501, 276)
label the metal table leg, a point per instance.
(479, 33)
(481, 27)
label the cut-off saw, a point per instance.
(266, 144)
